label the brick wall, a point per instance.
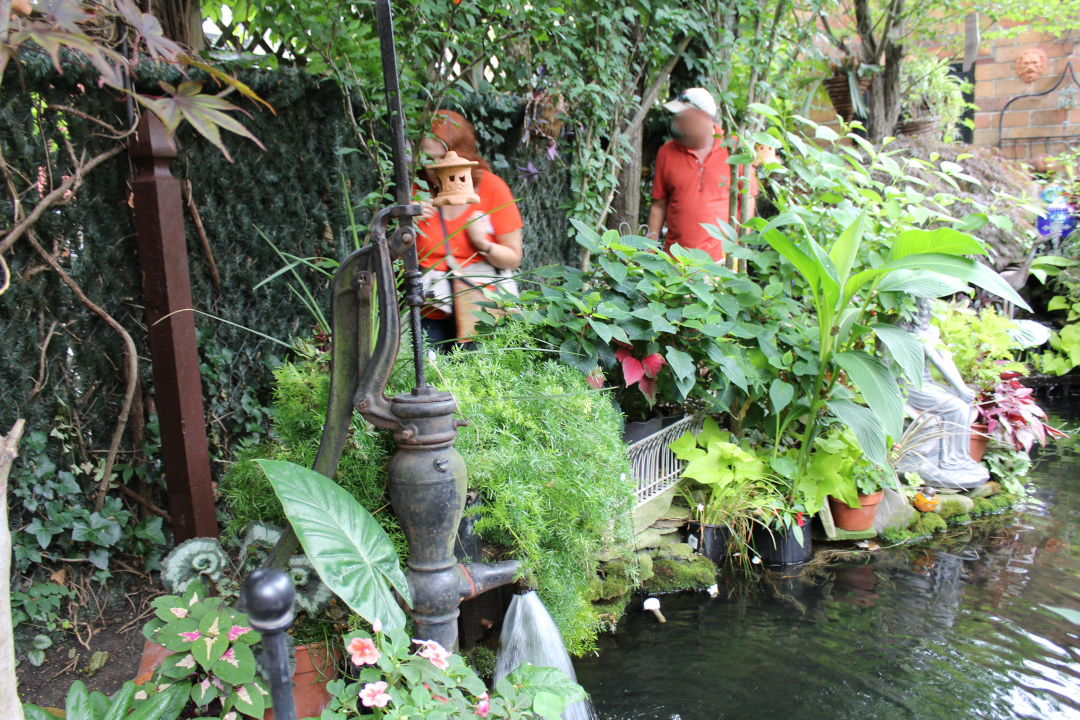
(1029, 121)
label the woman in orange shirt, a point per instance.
(475, 241)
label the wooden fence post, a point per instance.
(174, 356)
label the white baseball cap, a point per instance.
(693, 98)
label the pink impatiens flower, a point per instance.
(374, 695)
(236, 631)
(363, 651)
(483, 707)
(434, 652)
(376, 625)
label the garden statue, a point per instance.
(943, 415)
(1030, 65)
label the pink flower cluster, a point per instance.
(363, 651)
(434, 652)
(483, 706)
(375, 695)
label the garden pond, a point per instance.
(962, 629)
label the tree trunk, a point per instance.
(626, 207)
(181, 20)
(10, 707)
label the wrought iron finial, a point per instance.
(268, 595)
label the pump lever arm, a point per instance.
(350, 305)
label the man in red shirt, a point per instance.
(692, 182)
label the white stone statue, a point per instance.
(943, 414)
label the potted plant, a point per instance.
(842, 255)
(933, 98)
(983, 346)
(849, 79)
(1012, 415)
(204, 560)
(736, 492)
(870, 481)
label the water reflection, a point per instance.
(959, 631)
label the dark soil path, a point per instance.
(110, 620)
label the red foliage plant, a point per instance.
(1010, 410)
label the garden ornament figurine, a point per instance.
(926, 499)
(1030, 65)
(941, 441)
(427, 475)
(455, 180)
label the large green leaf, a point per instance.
(866, 426)
(906, 350)
(922, 283)
(846, 247)
(545, 679)
(806, 265)
(878, 388)
(78, 703)
(347, 546)
(944, 241)
(967, 270)
(780, 393)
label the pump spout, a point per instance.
(476, 578)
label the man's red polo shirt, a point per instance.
(697, 192)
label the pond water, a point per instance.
(957, 631)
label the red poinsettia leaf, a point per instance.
(632, 371)
(652, 364)
(648, 389)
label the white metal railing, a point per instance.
(655, 468)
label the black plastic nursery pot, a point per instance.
(780, 546)
(711, 540)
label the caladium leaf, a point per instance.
(236, 665)
(348, 547)
(178, 666)
(206, 113)
(249, 699)
(178, 636)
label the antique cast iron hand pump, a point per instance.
(427, 475)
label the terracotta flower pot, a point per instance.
(315, 667)
(979, 441)
(856, 519)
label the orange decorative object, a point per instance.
(454, 176)
(927, 500)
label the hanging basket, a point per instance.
(839, 90)
(542, 116)
(923, 127)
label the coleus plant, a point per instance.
(211, 645)
(1012, 415)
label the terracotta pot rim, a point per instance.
(872, 499)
